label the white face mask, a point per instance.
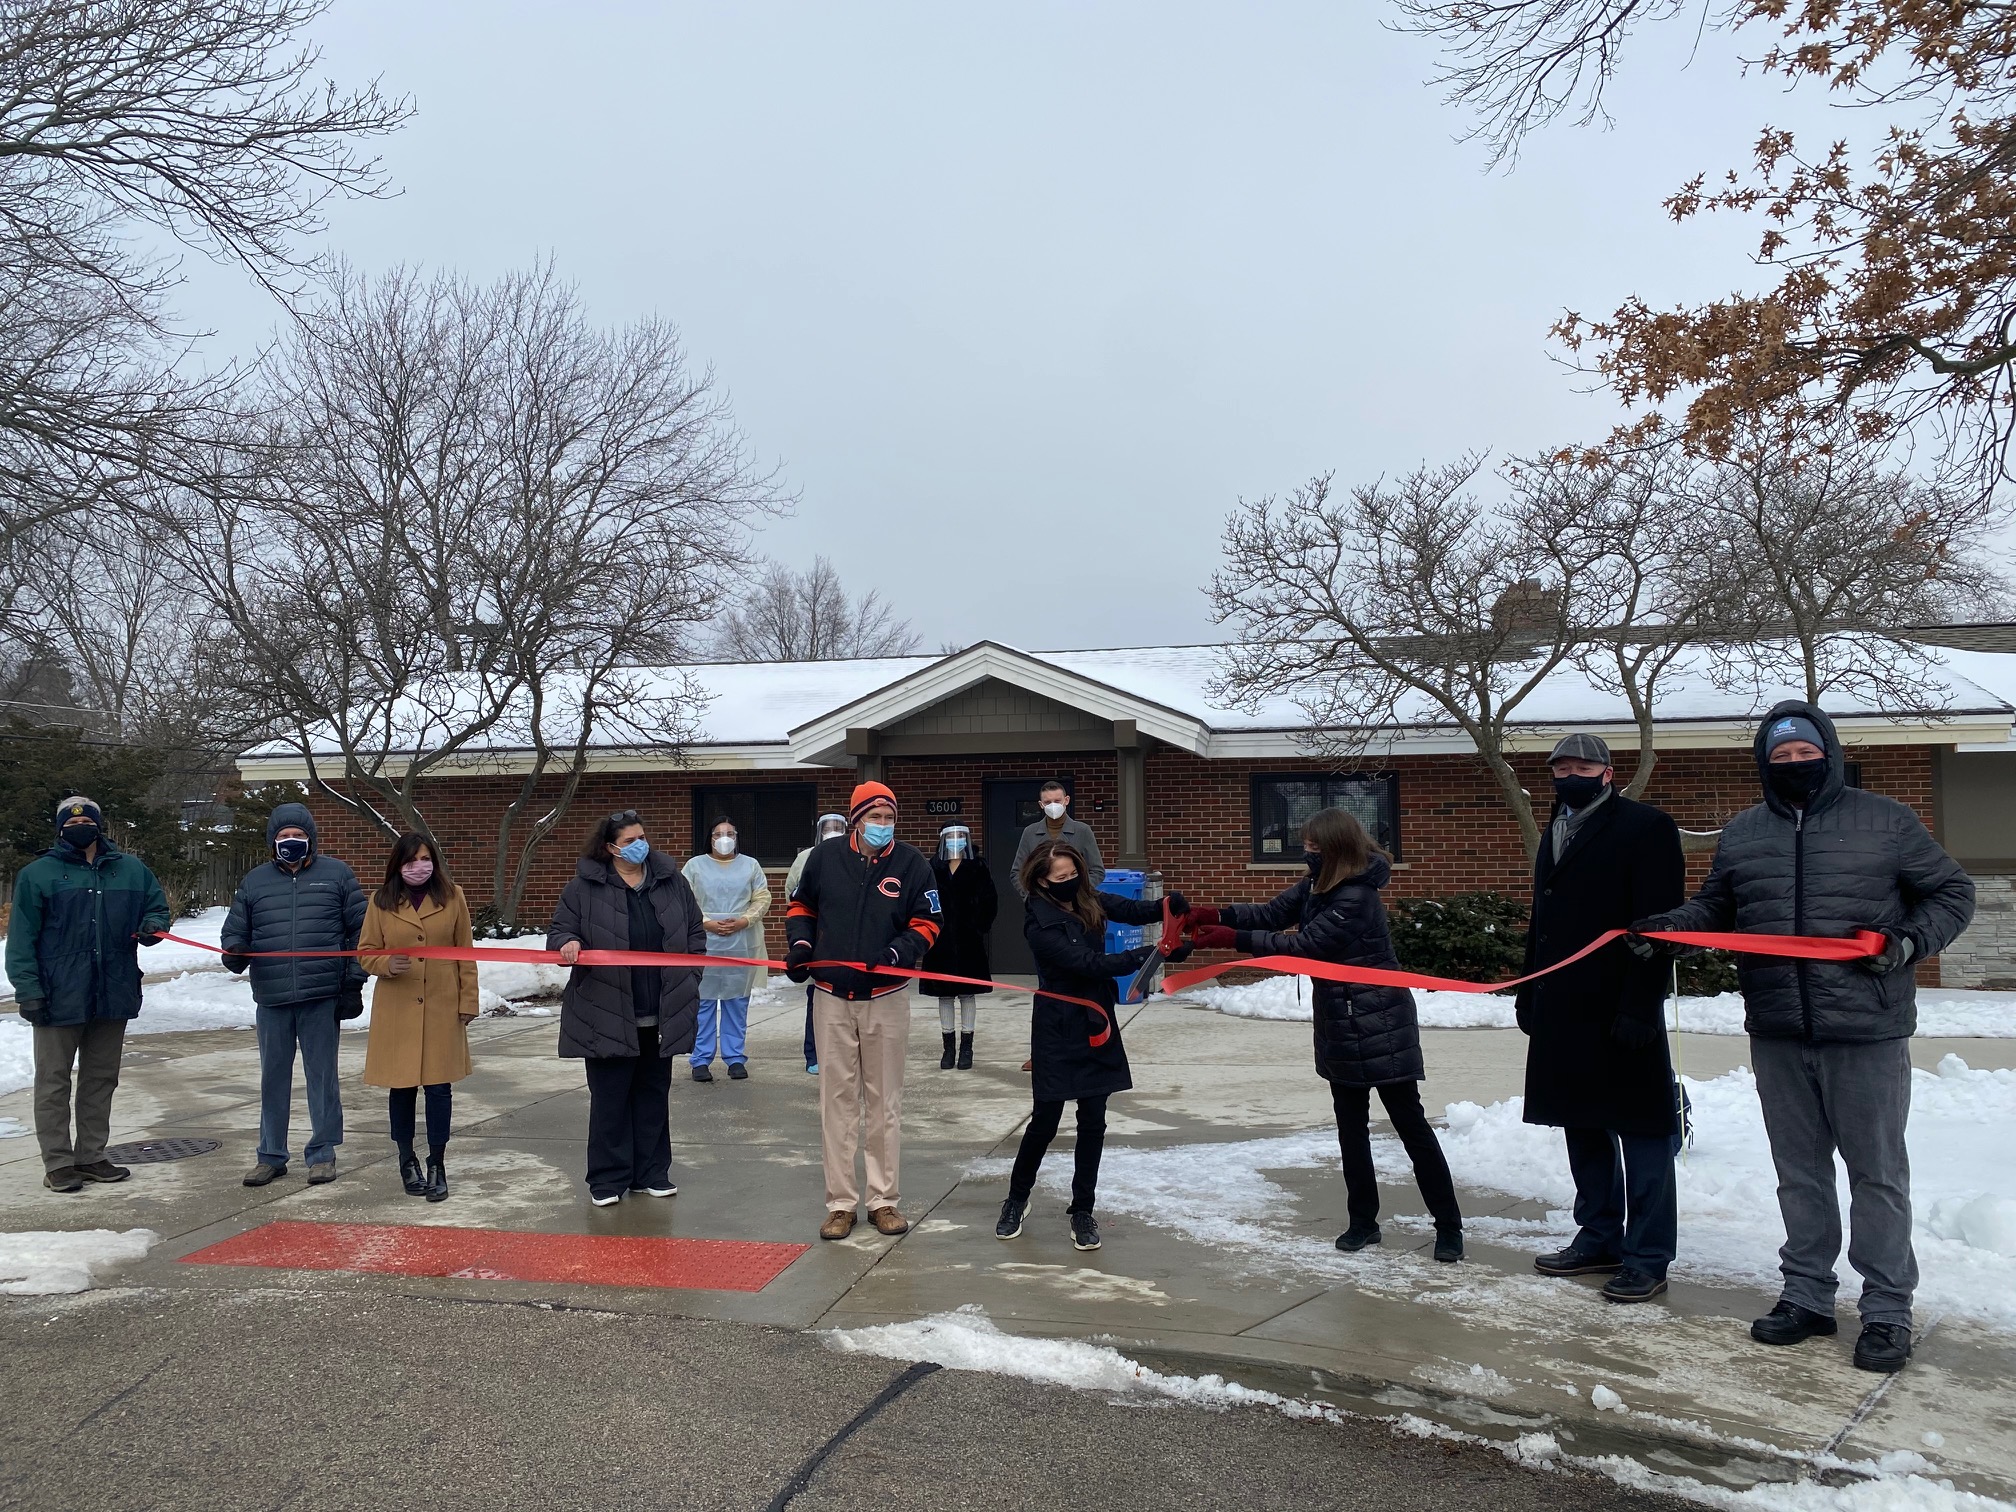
(724, 845)
(1053, 811)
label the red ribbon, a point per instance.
(1863, 944)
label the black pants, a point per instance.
(1626, 1200)
(440, 1103)
(1036, 1140)
(629, 1119)
(1354, 1142)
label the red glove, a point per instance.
(1214, 937)
(1200, 916)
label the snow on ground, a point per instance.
(1943, 1012)
(46, 1264)
(168, 956)
(968, 1340)
(1963, 1187)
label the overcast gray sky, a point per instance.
(1024, 298)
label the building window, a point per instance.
(773, 820)
(1282, 805)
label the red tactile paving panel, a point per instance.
(506, 1255)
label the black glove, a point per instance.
(893, 956)
(1180, 953)
(35, 1011)
(1647, 949)
(1897, 950)
(236, 964)
(350, 1000)
(1633, 1033)
(1178, 904)
(797, 959)
(149, 937)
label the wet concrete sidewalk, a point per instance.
(1486, 1346)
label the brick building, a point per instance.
(1210, 797)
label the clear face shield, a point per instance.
(828, 826)
(955, 843)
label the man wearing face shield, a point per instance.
(966, 892)
(827, 827)
(1830, 1041)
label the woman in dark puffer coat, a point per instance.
(1367, 1038)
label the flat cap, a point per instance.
(1580, 747)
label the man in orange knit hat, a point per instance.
(863, 901)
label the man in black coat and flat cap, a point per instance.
(1596, 1064)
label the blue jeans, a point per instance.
(1626, 1200)
(734, 1030)
(313, 1027)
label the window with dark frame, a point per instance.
(1283, 804)
(773, 820)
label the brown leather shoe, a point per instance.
(888, 1221)
(838, 1225)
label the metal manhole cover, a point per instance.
(153, 1151)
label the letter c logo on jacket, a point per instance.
(891, 887)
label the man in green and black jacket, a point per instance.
(82, 909)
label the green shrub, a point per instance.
(1472, 936)
(1706, 974)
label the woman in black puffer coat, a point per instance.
(1367, 1038)
(1074, 1051)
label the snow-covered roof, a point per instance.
(782, 714)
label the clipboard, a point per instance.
(1143, 980)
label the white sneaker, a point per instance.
(610, 1201)
(667, 1190)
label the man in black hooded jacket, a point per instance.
(1830, 1041)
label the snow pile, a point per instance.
(968, 1340)
(1943, 1012)
(167, 956)
(17, 1055)
(47, 1264)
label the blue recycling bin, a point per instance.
(1123, 882)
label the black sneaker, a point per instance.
(103, 1170)
(1789, 1323)
(1449, 1245)
(1574, 1262)
(1084, 1231)
(1010, 1222)
(703, 1073)
(1357, 1237)
(1883, 1346)
(737, 1071)
(1631, 1285)
(64, 1179)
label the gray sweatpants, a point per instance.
(1854, 1098)
(93, 1048)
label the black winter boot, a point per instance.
(945, 1060)
(437, 1180)
(411, 1175)
(1448, 1244)
(965, 1052)
(1883, 1346)
(1357, 1237)
(1789, 1323)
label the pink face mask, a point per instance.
(417, 871)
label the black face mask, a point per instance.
(83, 836)
(1579, 792)
(1314, 861)
(291, 851)
(1065, 891)
(1797, 781)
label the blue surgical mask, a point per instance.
(291, 850)
(955, 845)
(635, 851)
(875, 836)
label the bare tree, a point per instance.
(201, 119)
(1402, 606)
(475, 524)
(808, 616)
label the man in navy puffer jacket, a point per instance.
(1830, 1042)
(300, 900)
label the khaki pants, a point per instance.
(861, 1048)
(93, 1048)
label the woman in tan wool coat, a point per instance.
(420, 1010)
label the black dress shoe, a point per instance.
(412, 1176)
(437, 1181)
(1631, 1285)
(1357, 1237)
(1789, 1323)
(1883, 1346)
(1574, 1262)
